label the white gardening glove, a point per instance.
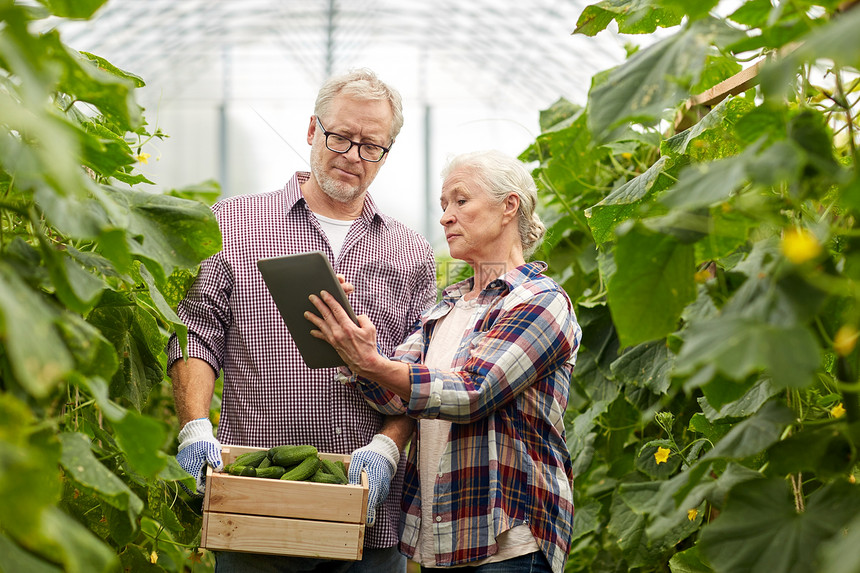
(197, 449)
(379, 459)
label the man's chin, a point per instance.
(342, 194)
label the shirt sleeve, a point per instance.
(423, 289)
(531, 337)
(205, 311)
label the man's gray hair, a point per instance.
(499, 174)
(361, 84)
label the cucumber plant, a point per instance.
(714, 415)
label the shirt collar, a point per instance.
(293, 196)
(508, 281)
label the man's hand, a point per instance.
(379, 459)
(197, 449)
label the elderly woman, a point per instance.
(487, 375)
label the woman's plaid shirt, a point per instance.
(506, 461)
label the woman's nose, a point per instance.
(446, 218)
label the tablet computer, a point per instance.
(291, 279)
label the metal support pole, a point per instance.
(223, 124)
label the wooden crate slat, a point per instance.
(282, 536)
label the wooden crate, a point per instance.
(279, 517)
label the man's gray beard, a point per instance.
(336, 190)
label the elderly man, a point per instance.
(269, 396)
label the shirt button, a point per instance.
(438, 518)
(337, 431)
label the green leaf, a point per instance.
(14, 558)
(827, 452)
(689, 561)
(92, 352)
(29, 479)
(752, 13)
(633, 16)
(694, 10)
(569, 159)
(760, 528)
(836, 41)
(625, 202)
(780, 163)
(138, 343)
(105, 65)
(586, 518)
(839, 553)
(168, 231)
(89, 473)
(141, 438)
(739, 347)
(768, 120)
(82, 9)
(706, 184)
(159, 302)
(66, 540)
(653, 80)
(746, 405)
(205, 192)
(653, 284)
(36, 352)
(753, 435)
(689, 490)
(103, 151)
(719, 119)
(84, 81)
(628, 516)
(646, 365)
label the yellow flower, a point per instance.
(799, 246)
(143, 158)
(153, 557)
(692, 513)
(837, 411)
(845, 340)
(626, 155)
(661, 455)
(702, 276)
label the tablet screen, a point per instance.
(291, 279)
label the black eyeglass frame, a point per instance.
(353, 143)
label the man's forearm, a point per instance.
(193, 387)
(399, 429)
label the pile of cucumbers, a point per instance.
(296, 463)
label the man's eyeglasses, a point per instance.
(339, 144)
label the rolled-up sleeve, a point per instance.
(205, 311)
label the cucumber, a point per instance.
(288, 455)
(237, 470)
(252, 459)
(271, 472)
(304, 470)
(332, 468)
(324, 477)
(265, 463)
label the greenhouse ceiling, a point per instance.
(506, 52)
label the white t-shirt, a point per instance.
(335, 230)
(434, 437)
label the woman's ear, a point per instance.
(512, 205)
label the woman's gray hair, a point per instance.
(361, 84)
(498, 175)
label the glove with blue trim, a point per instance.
(197, 449)
(379, 459)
